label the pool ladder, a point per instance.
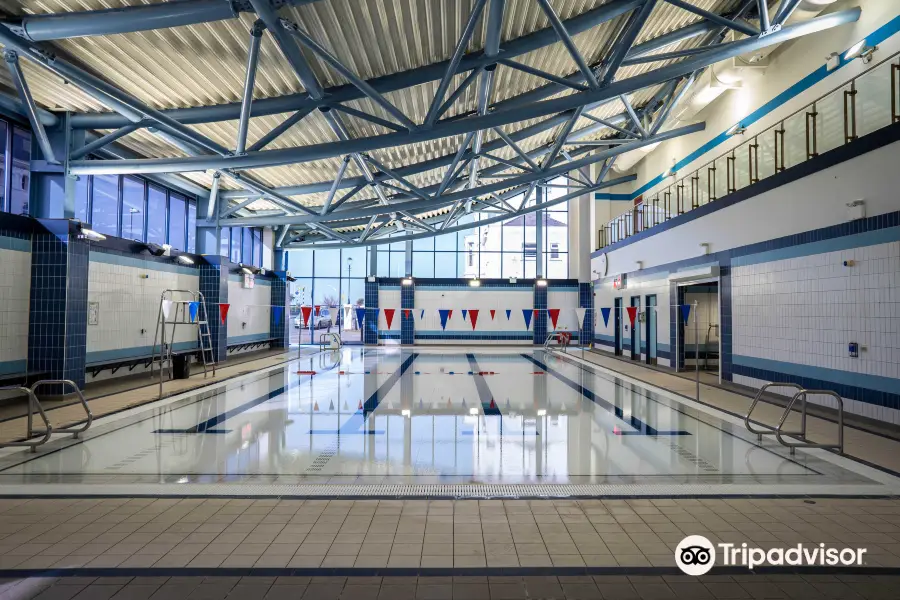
(562, 339)
(37, 437)
(326, 339)
(779, 432)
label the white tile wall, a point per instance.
(250, 309)
(129, 303)
(15, 287)
(807, 310)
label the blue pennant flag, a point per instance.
(527, 314)
(193, 307)
(685, 312)
(444, 314)
(422, 314)
(464, 311)
(605, 312)
(360, 315)
(277, 312)
(508, 313)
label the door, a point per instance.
(650, 326)
(617, 318)
(636, 328)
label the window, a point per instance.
(20, 184)
(470, 252)
(105, 204)
(530, 249)
(82, 198)
(257, 247)
(192, 227)
(156, 215)
(224, 241)
(177, 221)
(3, 130)
(133, 209)
(236, 244)
(554, 251)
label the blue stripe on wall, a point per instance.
(15, 243)
(869, 238)
(13, 367)
(848, 378)
(613, 197)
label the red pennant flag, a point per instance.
(305, 311)
(554, 316)
(318, 308)
(632, 313)
(223, 312)
(407, 313)
(360, 405)
(537, 311)
(493, 312)
(492, 403)
(389, 316)
(474, 314)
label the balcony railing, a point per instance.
(867, 103)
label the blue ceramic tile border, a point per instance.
(14, 242)
(13, 367)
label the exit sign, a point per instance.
(620, 282)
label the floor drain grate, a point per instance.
(693, 458)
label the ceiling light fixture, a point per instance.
(91, 235)
(184, 259)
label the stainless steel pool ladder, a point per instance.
(36, 437)
(325, 339)
(778, 430)
(561, 340)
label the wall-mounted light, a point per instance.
(405, 412)
(542, 413)
(541, 283)
(736, 129)
(473, 411)
(512, 280)
(407, 281)
(639, 264)
(832, 61)
(185, 260)
(474, 282)
(861, 50)
(91, 235)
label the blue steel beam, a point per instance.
(256, 33)
(387, 83)
(737, 25)
(626, 41)
(451, 127)
(281, 129)
(569, 43)
(785, 9)
(18, 77)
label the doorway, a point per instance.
(617, 319)
(650, 326)
(636, 328)
(701, 335)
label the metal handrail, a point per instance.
(768, 429)
(562, 340)
(87, 409)
(323, 339)
(804, 442)
(33, 404)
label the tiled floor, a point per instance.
(418, 534)
(602, 587)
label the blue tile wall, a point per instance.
(539, 320)
(407, 324)
(57, 329)
(214, 287)
(279, 330)
(586, 300)
(370, 331)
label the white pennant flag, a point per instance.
(580, 312)
(167, 308)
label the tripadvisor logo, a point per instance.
(696, 555)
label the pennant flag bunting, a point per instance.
(193, 308)
(318, 309)
(444, 314)
(305, 311)
(360, 315)
(580, 313)
(167, 308)
(474, 314)
(508, 313)
(389, 316)
(422, 315)
(605, 312)
(493, 312)
(464, 311)
(223, 312)
(407, 313)
(632, 313)
(554, 315)
(526, 314)
(685, 312)
(277, 311)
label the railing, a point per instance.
(36, 437)
(800, 435)
(327, 339)
(867, 103)
(562, 340)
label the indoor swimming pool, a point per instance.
(439, 421)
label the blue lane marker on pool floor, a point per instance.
(354, 425)
(640, 427)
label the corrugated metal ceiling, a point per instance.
(204, 65)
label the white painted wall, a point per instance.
(250, 310)
(128, 291)
(604, 296)
(482, 299)
(15, 288)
